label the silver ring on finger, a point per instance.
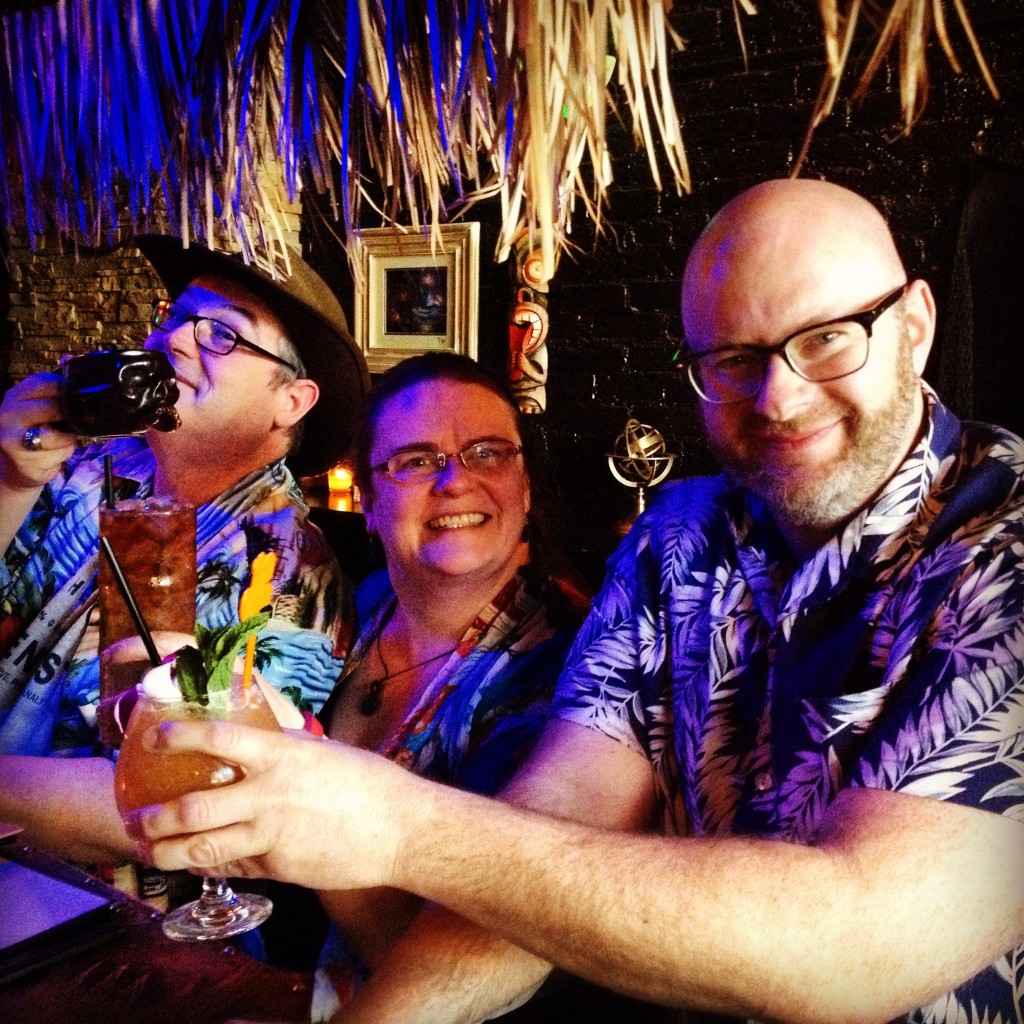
(32, 439)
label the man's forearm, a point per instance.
(447, 969)
(571, 895)
(901, 899)
(65, 805)
(857, 928)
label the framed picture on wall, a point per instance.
(413, 300)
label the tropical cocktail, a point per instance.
(144, 777)
(195, 688)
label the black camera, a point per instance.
(114, 393)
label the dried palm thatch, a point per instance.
(114, 109)
(215, 113)
(907, 24)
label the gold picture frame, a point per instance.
(413, 300)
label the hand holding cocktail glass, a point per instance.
(199, 685)
(144, 776)
(312, 811)
(259, 795)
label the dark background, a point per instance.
(952, 189)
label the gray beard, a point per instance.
(876, 441)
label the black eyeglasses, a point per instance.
(210, 334)
(483, 458)
(823, 352)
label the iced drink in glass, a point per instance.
(154, 541)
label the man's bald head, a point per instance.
(780, 263)
(793, 241)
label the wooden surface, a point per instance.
(134, 974)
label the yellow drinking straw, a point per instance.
(254, 599)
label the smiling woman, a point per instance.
(461, 638)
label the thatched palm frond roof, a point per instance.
(217, 112)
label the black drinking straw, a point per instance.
(122, 582)
(129, 600)
(108, 482)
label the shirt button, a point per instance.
(763, 781)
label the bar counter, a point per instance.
(128, 972)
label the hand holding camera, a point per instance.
(92, 397)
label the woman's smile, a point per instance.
(457, 521)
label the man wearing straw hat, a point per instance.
(266, 369)
(785, 775)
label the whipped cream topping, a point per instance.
(160, 683)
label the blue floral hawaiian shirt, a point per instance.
(477, 719)
(49, 625)
(892, 658)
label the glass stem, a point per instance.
(217, 902)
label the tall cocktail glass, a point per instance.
(143, 777)
(154, 541)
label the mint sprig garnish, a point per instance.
(190, 675)
(208, 669)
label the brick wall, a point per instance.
(73, 302)
(614, 309)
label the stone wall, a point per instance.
(72, 303)
(67, 300)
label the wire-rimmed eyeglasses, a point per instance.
(820, 353)
(483, 458)
(210, 334)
